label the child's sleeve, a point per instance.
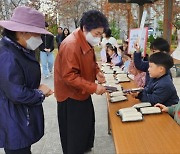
(143, 97)
(139, 63)
(171, 110)
(174, 111)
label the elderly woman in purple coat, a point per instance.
(21, 94)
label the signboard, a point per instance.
(134, 38)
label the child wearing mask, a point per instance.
(160, 88)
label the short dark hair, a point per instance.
(121, 48)
(108, 44)
(111, 47)
(10, 34)
(93, 19)
(161, 45)
(125, 42)
(60, 27)
(162, 59)
(108, 32)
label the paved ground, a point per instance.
(50, 143)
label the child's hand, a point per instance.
(134, 94)
(162, 107)
(136, 46)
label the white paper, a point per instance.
(176, 53)
(142, 26)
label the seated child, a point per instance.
(160, 88)
(173, 110)
(158, 45)
(126, 61)
(120, 51)
(139, 76)
(105, 58)
(112, 52)
(125, 47)
(108, 58)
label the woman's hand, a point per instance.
(46, 90)
(134, 94)
(162, 107)
(100, 89)
(49, 93)
(100, 77)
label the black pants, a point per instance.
(19, 151)
(76, 125)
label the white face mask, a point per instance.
(92, 40)
(33, 42)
